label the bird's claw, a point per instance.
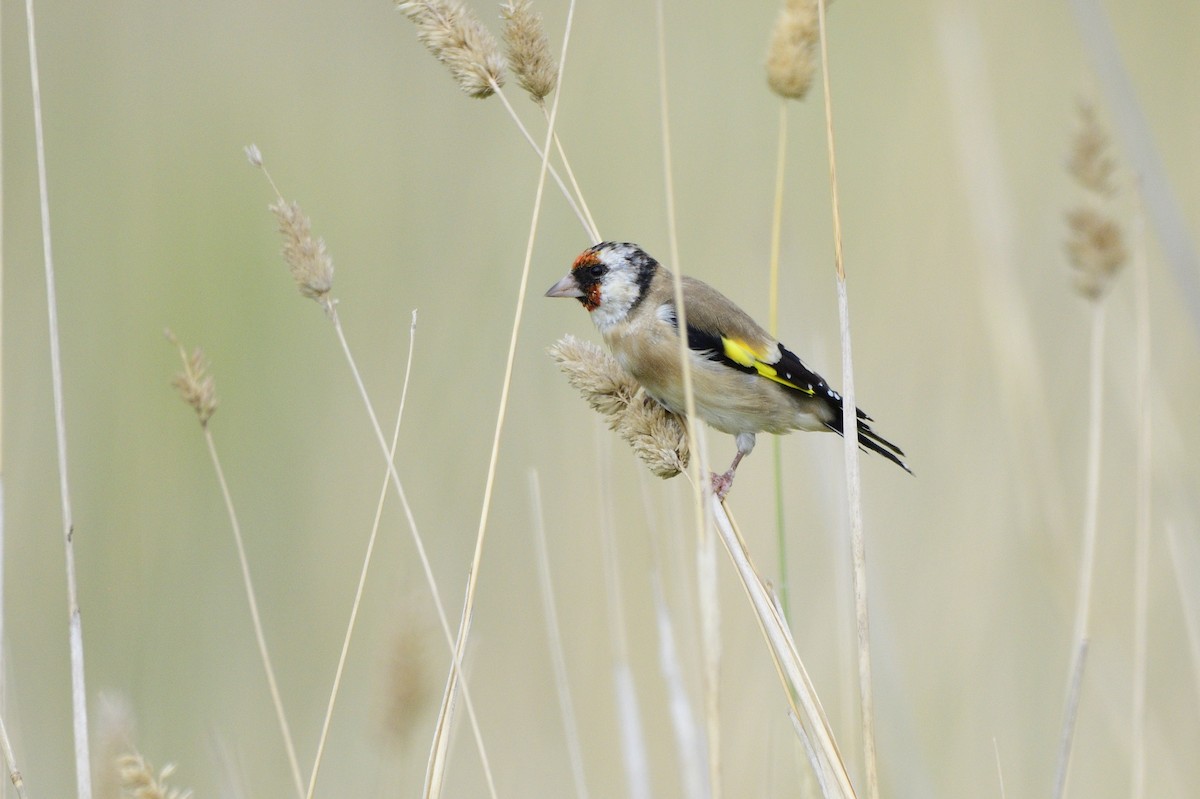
(721, 483)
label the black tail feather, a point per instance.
(869, 440)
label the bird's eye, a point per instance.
(597, 270)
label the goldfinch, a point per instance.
(744, 381)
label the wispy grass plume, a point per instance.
(528, 51)
(460, 41)
(140, 781)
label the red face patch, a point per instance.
(588, 284)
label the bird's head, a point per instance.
(609, 279)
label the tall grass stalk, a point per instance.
(710, 619)
(1142, 532)
(1185, 564)
(362, 577)
(1087, 558)
(632, 735)
(850, 440)
(502, 409)
(456, 660)
(252, 600)
(688, 742)
(801, 695)
(10, 761)
(83, 776)
(773, 328)
(554, 635)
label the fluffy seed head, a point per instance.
(195, 384)
(138, 780)
(1096, 250)
(528, 51)
(456, 38)
(1095, 246)
(657, 436)
(306, 257)
(1090, 162)
(790, 54)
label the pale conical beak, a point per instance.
(567, 287)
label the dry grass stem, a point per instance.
(528, 51)
(800, 692)
(10, 761)
(657, 436)
(1142, 526)
(705, 536)
(790, 54)
(554, 635)
(79, 715)
(255, 618)
(858, 543)
(196, 386)
(198, 389)
(362, 577)
(460, 41)
(139, 781)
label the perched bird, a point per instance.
(744, 381)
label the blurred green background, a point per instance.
(424, 197)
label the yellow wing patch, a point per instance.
(741, 353)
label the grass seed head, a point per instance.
(138, 780)
(528, 51)
(460, 41)
(791, 64)
(657, 436)
(305, 255)
(196, 386)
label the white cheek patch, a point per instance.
(616, 298)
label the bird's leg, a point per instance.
(721, 483)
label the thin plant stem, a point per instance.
(256, 620)
(1087, 558)
(801, 695)
(554, 634)
(632, 735)
(1183, 566)
(362, 577)
(773, 328)
(502, 409)
(456, 660)
(1070, 714)
(1141, 556)
(83, 775)
(999, 769)
(10, 760)
(562, 155)
(584, 219)
(705, 537)
(850, 448)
